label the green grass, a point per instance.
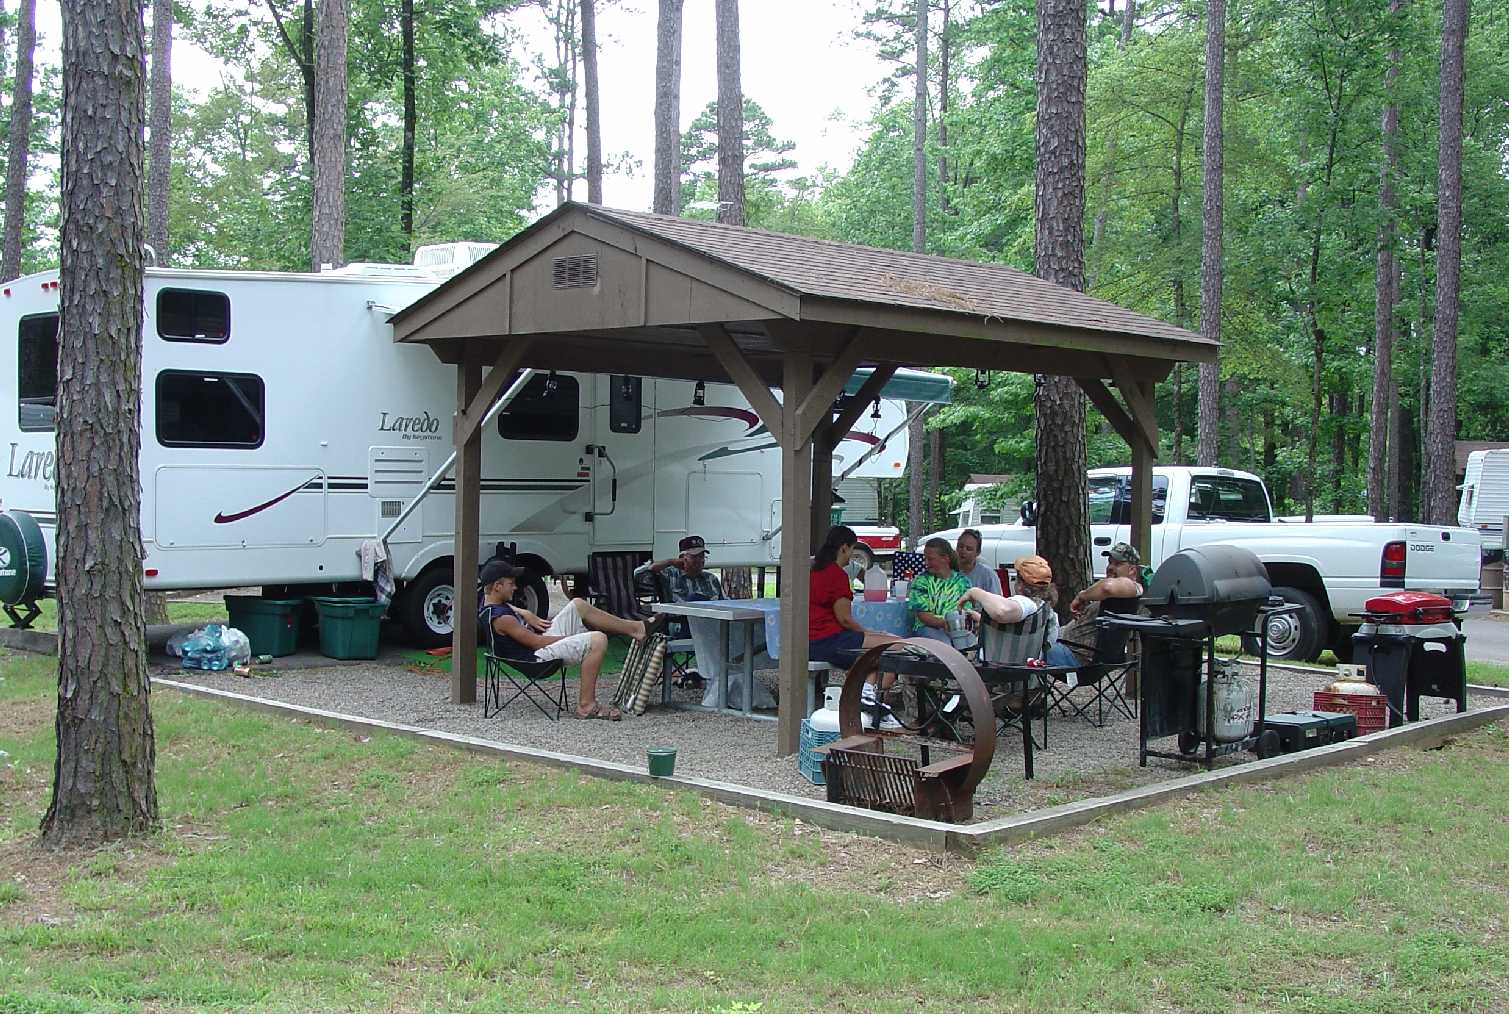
(178, 612)
(302, 868)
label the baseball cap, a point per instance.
(1124, 552)
(692, 544)
(497, 570)
(1033, 570)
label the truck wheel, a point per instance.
(1296, 638)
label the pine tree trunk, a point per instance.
(1442, 433)
(594, 123)
(1209, 426)
(934, 478)
(730, 116)
(1059, 256)
(1383, 287)
(305, 60)
(103, 778)
(328, 234)
(668, 109)
(410, 125)
(919, 131)
(1396, 436)
(916, 447)
(944, 46)
(160, 161)
(20, 143)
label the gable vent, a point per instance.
(575, 272)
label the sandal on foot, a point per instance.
(595, 712)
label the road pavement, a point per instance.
(1487, 639)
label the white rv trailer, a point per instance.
(282, 428)
(1485, 495)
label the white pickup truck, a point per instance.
(1330, 567)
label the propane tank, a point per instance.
(825, 718)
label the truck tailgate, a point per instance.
(1441, 558)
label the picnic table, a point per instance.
(719, 624)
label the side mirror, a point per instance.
(1029, 513)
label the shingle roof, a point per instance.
(843, 271)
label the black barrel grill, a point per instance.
(1197, 595)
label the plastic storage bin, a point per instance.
(348, 627)
(272, 625)
(1371, 710)
(809, 764)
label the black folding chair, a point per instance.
(540, 683)
(1104, 677)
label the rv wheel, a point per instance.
(533, 594)
(864, 556)
(427, 608)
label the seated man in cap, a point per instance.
(686, 576)
(1120, 591)
(578, 635)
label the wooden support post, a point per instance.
(823, 443)
(796, 547)
(1144, 454)
(468, 473)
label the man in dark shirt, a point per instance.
(686, 576)
(578, 635)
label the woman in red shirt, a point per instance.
(831, 626)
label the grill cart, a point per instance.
(1413, 646)
(1185, 690)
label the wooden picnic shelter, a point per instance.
(788, 319)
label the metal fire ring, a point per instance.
(970, 685)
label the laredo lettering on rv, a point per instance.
(424, 423)
(33, 464)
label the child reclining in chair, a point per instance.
(577, 636)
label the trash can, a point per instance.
(272, 625)
(1413, 646)
(349, 627)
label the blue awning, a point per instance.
(908, 385)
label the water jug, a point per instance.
(875, 584)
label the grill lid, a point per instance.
(1209, 576)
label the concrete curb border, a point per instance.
(928, 834)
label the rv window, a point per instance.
(545, 410)
(37, 380)
(624, 398)
(209, 409)
(193, 315)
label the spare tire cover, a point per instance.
(23, 558)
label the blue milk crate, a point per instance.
(808, 763)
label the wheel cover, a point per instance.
(439, 609)
(1284, 633)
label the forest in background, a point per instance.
(497, 131)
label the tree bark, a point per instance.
(160, 160)
(1384, 299)
(1440, 492)
(919, 131)
(20, 143)
(410, 124)
(943, 89)
(668, 109)
(1059, 256)
(328, 233)
(730, 116)
(594, 124)
(934, 478)
(1208, 430)
(103, 785)
(916, 446)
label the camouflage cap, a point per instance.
(1124, 552)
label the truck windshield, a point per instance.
(1226, 498)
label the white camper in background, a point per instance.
(282, 428)
(1485, 496)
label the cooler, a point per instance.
(1413, 646)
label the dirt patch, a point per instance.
(40, 875)
(26, 716)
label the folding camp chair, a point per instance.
(1104, 677)
(680, 655)
(1006, 647)
(612, 588)
(540, 683)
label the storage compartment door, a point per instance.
(728, 509)
(221, 507)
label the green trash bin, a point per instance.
(836, 514)
(348, 627)
(272, 625)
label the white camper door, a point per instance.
(623, 476)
